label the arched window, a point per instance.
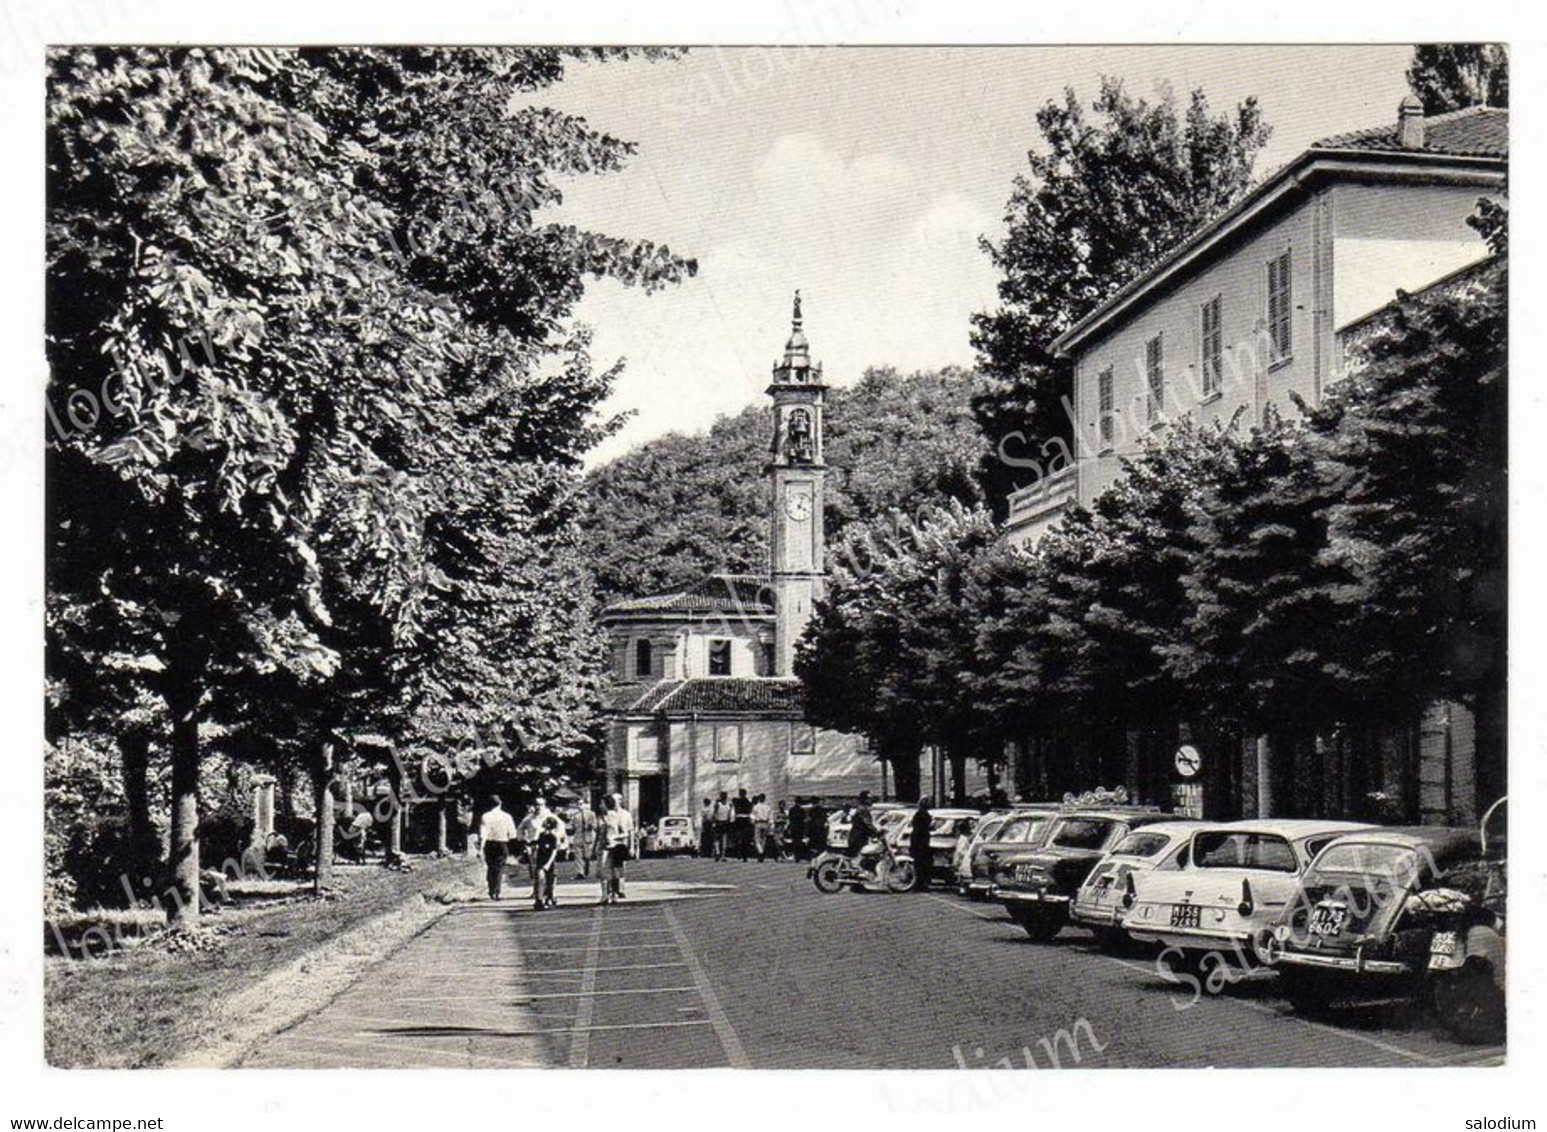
(642, 658)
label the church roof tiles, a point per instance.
(745, 594)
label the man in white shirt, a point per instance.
(762, 825)
(531, 829)
(496, 831)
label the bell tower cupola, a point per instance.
(797, 540)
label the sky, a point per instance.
(863, 176)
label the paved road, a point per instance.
(734, 964)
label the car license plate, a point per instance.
(1327, 919)
(1186, 915)
(1443, 943)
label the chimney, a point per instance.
(1410, 123)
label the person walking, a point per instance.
(795, 831)
(530, 830)
(723, 814)
(919, 830)
(496, 831)
(816, 828)
(617, 831)
(585, 840)
(706, 830)
(741, 824)
(546, 856)
(762, 826)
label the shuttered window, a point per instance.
(1213, 347)
(1104, 406)
(1280, 307)
(1155, 379)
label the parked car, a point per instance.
(1098, 904)
(942, 834)
(1037, 884)
(1237, 879)
(1417, 912)
(1022, 829)
(672, 834)
(961, 856)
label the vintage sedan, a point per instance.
(1022, 829)
(1237, 879)
(1099, 903)
(1415, 912)
(1037, 885)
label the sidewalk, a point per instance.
(500, 986)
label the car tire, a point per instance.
(1040, 926)
(1469, 1004)
(1115, 940)
(1305, 993)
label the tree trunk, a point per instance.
(322, 778)
(134, 757)
(182, 898)
(395, 820)
(958, 779)
(441, 848)
(906, 778)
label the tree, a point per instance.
(1102, 203)
(887, 647)
(1453, 76)
(1420, 525)
(683, 506)
(297, 282)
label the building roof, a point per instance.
(748, 595)
(1477, 131)
(1472, 142)
(715, 695)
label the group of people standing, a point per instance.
(746, 826)
(603, 836)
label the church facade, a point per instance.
(704, 696)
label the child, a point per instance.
(547, 852)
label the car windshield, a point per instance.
(946, 826)
(990, 827)
(1228, 850)
(1080, 833)
(1142, 844)
(1020, 829)
(1388, 862)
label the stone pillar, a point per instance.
(262, 808)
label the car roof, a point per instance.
(1175, 828)
(1112, 813)
(1446, 843)
(1292, 828)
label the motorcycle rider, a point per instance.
(862, 831)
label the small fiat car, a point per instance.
(672, 834)
(1021, 830)
(1099, 903)
(1237, 878)
(1037, 885)
(1417, 911)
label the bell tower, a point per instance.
(797, 541)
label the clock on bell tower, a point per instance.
(797, 540)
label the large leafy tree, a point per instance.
(311, 300)
(887, 650)
(1453, 76)
(1416, 437)
(682, 506)
(1105, 197)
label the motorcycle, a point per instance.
(890, 871)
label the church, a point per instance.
(704, 696)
